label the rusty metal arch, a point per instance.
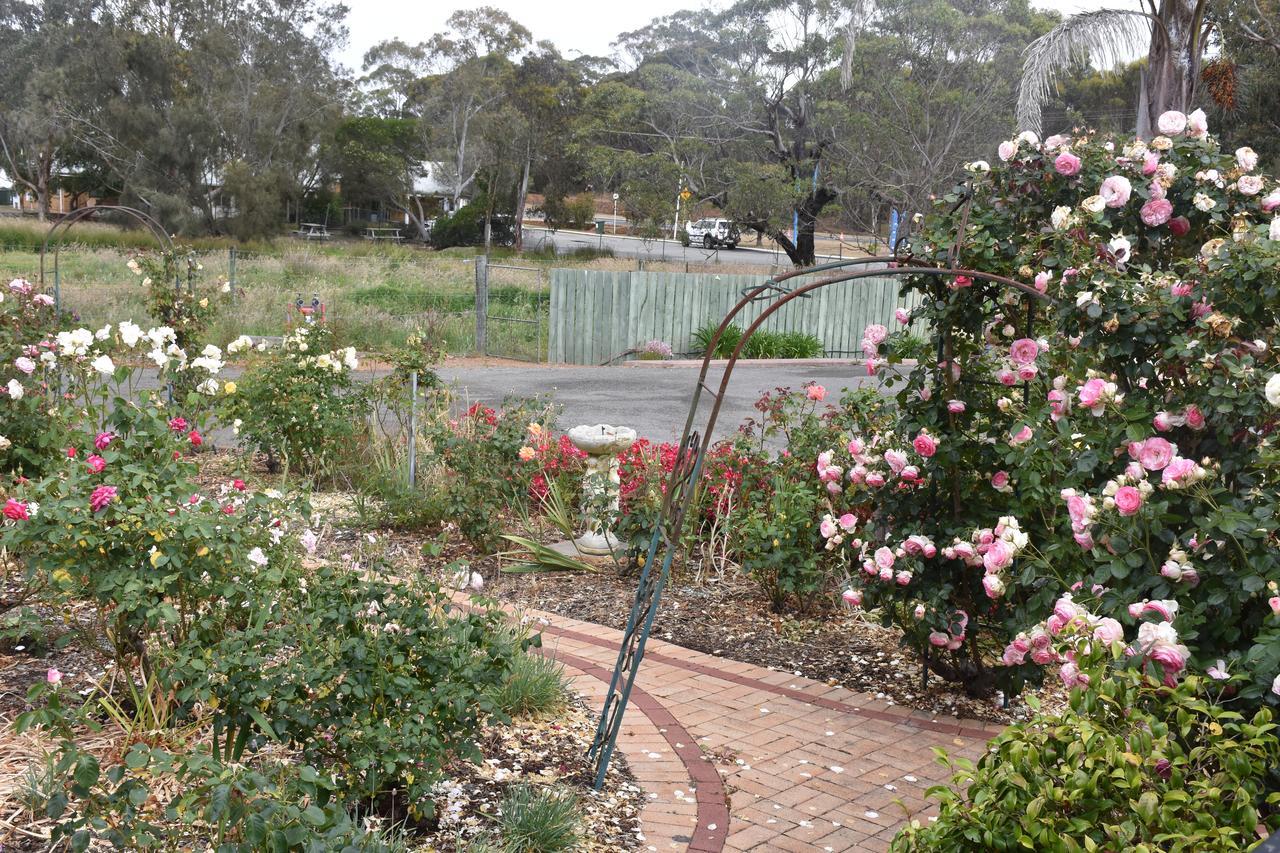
(66, 223)
(692, 452)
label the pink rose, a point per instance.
(1171, 122)
(96, 463)
(1000, 480)
(1274, 601)
(925, 445)
(1178, 470)
(1006, 377)
(884, 557)
(962, 281)
(1091, 393)
(1066, 609)
(1179, 289)
(902, 315)
(1128, 500)
(1163, 421)
(1022, 436)
(903, 578)
(1149, 163)
(897, 460)
(827, 528)
(1156, 454)
(955, 407)
(875, 333)
(855, 446)
(1271, 202)
(15, 510)
(998, 557)
(816, 393)
(1157, 212)
(938, 638)
(1067, 164)
(875, 479)
(178, 424)
(1171, 659)
(993, 586)
(919, 612)
(1115, 191)
(1058, 405)
(1027, 372)
(1108, 631)
(910, 473)
(1042, 281)
(848, 521)
(103, 439)
(101, 496)
(1023, 351)
(53, 676)
(852, 597)
(1195, 417)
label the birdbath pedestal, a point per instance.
(602, 443)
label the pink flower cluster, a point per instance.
(1082, 511)
(1096, 393)
(953, 637)
(1178, 569)
(1021, 363)
(875, 470)
(886, 563)
(993, 549)
(872, 337)
(1191, 417)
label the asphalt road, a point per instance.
(652, 400)
(654, 250)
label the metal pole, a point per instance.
(482, 303)
(231, 271)
(413, 428)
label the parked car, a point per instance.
(713, 233)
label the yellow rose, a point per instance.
(203, 552)
(61, 576)
(229, 388)
(204, 303)
(155, 558)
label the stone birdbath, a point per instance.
(602, 443)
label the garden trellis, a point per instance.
(681, 482)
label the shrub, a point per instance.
(465, 227)
(535, 820)
(777, 542)
(766, 344)
(1123, 443)
(30, 438)
(298, 403)
(576, 211)
(1130, 765)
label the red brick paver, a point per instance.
(738, 757)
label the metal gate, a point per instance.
(512, 311)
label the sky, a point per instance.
(574, 26)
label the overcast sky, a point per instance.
(575, 26)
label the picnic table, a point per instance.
(375, 234)
(312, 231)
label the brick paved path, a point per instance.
(737, 757)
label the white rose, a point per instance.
(1120, 247)
(1204, 202)
(1083, 298)
(1029, 138)
(103, 333)
(1060, 217)
(158, 356)
(1272, 390)
(130, 334)
(978, 166)
(1249, 185)
(208, 387)
(1094, 204)
(1274, 233)
(15, 390)
(103, 365)
(1007, 150)
(1246, 158)
(1172, 123)
(1198, 124)
(5, 443)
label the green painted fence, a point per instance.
(597, 315)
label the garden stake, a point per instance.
(413, 427)
(682, 481)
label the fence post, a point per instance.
(482, 303)
(231, 272)
(413, 428)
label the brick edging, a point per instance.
(709, 792)
(957, 729)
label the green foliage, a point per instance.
(33, 439)
(777, 543)
(576, 211)
(538, 820)
(536, 686)
(766, 344)
(465, 227)
(298, 403)
(725, 346)
(1130, 765)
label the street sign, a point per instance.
(615, 196)
(685, 194)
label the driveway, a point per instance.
(653, 400)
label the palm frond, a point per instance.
(1104, 36)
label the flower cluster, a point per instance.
(993, 549)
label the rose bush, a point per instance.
(1116, 440)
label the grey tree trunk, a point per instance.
(521, 198)
(1173, 63)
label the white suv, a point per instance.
(713, 233)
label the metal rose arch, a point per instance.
(58, 232)
(693, 447)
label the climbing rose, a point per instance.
(852, 597)
(101, 496)
(1172, 123)
(1115, 191)
(1000, 481)
(1128, 500)
(875, 333)
(103, 439)
(1108, 631)
(96, 463)
(1155, 454)
(902, 316)
(1157, 212)
(955, 407)
(1067, 164)
(925, 445)
(1024, 351)
(15, 510)
(1274, 601)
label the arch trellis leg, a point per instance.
(682, 481)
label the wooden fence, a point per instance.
(597, 315)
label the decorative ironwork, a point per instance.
(66, 223)
(664, 542)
